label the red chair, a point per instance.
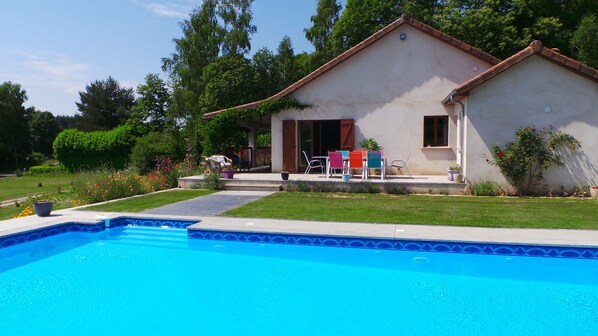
(356, 162)
(335, 161)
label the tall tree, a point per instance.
(263, 62)
(152, 103)
(361, 19)
(44, 130)
(14, 128)
(585, 41)
(236, 16)
(327, 13)
(104, 105)
(285, 69)
(230, 81)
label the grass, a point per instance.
(138, 204)
(61, 201)
(27, 185)
(506, 212)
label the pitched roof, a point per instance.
(404, 19)
(535, 48)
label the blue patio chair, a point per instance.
(374, 161)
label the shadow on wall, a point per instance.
(579, 170)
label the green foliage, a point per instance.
(533, 151)
(104, 105)
(360, 19)
(44, 130)
(152, 105)
(585, 41)
(216, 132)
(370, 144)
(228, 82)
(364, 188)
(327, 13)
(14, 128)
(45, 169)
(99, 186)
(393, 188)
(212, 181)
(285, 70)
(149, 149)
(484, 188)
(78, 151)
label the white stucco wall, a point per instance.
(518, 98)
(387, 89)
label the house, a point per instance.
(418, 91)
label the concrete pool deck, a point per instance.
(586, 238)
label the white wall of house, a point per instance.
(518, 98)
(387, 89)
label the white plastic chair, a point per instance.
(311, 164)
(400, 164)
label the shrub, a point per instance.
(533, 151)
(45, 169)
(484, 188)
(150, 149)
(370, 144)
(212, 182)
(391, 188)
(364, 188)
(99, 186)
(78, 151)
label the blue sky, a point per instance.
(53, 48)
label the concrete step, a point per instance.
(253, 186)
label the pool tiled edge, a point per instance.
(399, 244)
(27, 236)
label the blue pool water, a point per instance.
(152, 281)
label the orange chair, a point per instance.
(356, 162)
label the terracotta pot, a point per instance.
(43, 208)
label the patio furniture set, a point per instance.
(346, 161)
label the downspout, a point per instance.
(460, 134)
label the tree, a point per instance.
(230, 81)
(44, 130)
(285, 69)
(236, 16)
(263, 63)
(585, 41)
(66, 122)
(361, 19)
(327, 13)
(104, 105)
(152, 103)
(14, 128)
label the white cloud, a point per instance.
(169, 10)
(48, 77)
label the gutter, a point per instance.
(451, 98)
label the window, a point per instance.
(435, 131)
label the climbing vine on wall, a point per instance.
(220, 131)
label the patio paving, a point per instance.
(209, 205)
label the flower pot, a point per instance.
(42, 208)
(451, 174)
(228, 174)
(458, 177)
(594, 192)
(346, 177)
(284, 176)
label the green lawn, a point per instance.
(23, 186)
(508, 212)
(138, 204)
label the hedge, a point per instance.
(45, 169)
(78, 151)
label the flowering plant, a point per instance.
(533, 151)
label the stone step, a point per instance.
(253, 187)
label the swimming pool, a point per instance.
(156, 281)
